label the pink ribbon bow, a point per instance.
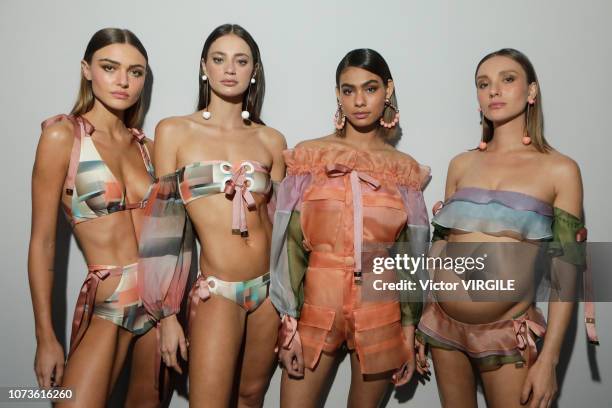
(238, 189)
(524, 328)
(340, 170)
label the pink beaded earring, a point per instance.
(395, 120)
(527, 138)
(482, 145)
(339, 118)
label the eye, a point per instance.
(108, 68)
(137, 73)
(347, 91)
(371, 89)
(482, 85)
(243, 62)
(509, 79)
(217, 60)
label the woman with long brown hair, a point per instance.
(508, 199)
(216, 168)
(96, 164)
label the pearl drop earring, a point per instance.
(205, 114)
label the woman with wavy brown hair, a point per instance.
(96, 163)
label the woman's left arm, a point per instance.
(541, 381)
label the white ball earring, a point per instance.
(206, 114)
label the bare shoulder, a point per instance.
(172, 130)
(463, 159)
(59, 133)
(562, 168)
(272, 138)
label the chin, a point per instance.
(119, 105)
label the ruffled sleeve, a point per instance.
(288, 257)
(569, 264)
(166, 246)
(413, 241)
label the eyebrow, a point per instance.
(508, 71)
(118, 63)
(237, 55)
(366, 83)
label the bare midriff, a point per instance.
(478, 312)
(225, 255)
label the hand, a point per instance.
(541, 383)
(49, 363)
(405, 372)
(171, 338)
(422, 363)
(292, 358)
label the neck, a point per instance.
(508, 135)
(363, 138)
(106, 119)
(225, 112)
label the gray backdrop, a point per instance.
(432, 48)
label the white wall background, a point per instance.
(432, 48)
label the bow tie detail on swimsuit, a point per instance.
(340, 170)
(523, 327)
(138, 134)
(85, 302)
(238, 188)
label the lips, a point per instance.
(120, 95)
(361, 115)
(496, 105)
(229, 82)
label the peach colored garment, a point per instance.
(351, 199)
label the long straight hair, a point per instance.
(256, 96)
(373, 62)
(134, 115)
(534, 117)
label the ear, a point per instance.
(255, 69)
(203, 66)
(390, 89)
(532, 93)
(86, 70)
(337, 95)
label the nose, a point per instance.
(493, 90)
(123, 78)
(359, 99)
(230, 68)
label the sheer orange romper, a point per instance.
(334, 204)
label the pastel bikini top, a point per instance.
(94, 190)
(237, 181)
(495, 212)
(519, 215)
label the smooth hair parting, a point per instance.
(534, 117)
(134, 115)
(256, 96)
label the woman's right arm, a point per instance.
(171, 334)
(49, 172)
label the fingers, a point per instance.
(526, 391)
(59, 373)
(46, 378)
(173, 362)
(299, 359)
(183, 348)
(291, 363)
(422, 363)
